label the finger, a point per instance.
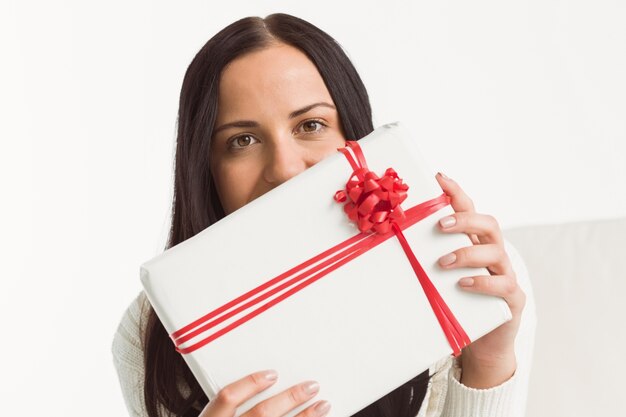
(490, 256)
(458, 199)
(504, 286)
(319, 409)
(475, 240)
(484, 226)
(280, 404)
(233, 395)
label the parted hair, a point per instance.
(196, 205)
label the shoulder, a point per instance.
(128, 357)
(127, 340)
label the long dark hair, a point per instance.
(196, 204)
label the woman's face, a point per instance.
(275, 119)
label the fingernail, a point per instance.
(311, 387)
(447, 259)
(448, 221)
(321, 408)
(444, 176)
(270, 375)
(466, 282)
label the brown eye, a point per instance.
(242, 141)
(309, 126)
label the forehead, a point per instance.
(278, 77)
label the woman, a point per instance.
(262, 101)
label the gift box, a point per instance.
(361, 328)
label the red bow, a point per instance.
(374, 202)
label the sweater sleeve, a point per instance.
(508, 398)
(128, 356)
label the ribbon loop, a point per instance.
(372, 201)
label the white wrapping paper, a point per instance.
(362, 330)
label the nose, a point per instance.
(285, 160)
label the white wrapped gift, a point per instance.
(363, 329)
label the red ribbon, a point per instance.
(375, 206)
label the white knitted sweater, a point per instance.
(445, 397)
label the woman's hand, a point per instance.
(490, 360)
(232, 396)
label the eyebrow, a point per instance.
(252, 123)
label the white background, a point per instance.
(522, 102)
